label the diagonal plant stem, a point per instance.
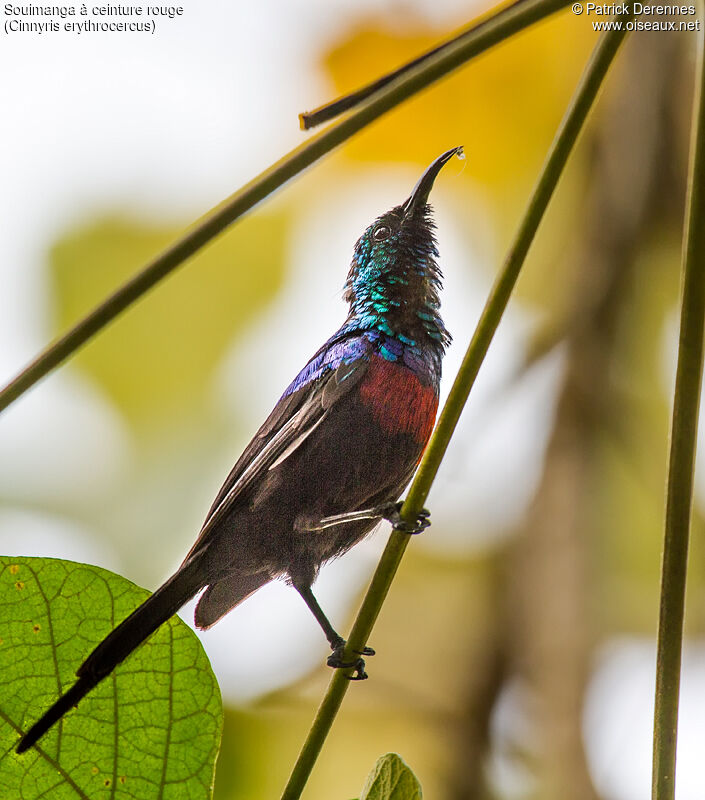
(684, 428)
(562, 145)
(454, 55)
(333, 109)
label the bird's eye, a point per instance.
(381, 233)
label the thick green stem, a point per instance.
(681, 466)
(217, 220)
(495, 306)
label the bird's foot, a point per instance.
(336, 661)
(391, 514)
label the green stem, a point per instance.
(681, 466)
(495, 306)
(435, 67)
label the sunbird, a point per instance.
(329, 462)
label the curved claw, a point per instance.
(422, 520)
(361, 674)
(335, 660)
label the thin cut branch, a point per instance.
(500, 22)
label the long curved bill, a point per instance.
(419, 197)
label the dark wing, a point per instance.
(292, 420)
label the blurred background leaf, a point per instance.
(504, 108)
(156, 364)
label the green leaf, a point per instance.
(150, 730)
(391, 779)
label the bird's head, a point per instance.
(394, 280)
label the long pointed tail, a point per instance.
(120, 642)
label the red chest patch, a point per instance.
(399, 401)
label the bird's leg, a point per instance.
(335, 640)
(339, 519)
(388, 511)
